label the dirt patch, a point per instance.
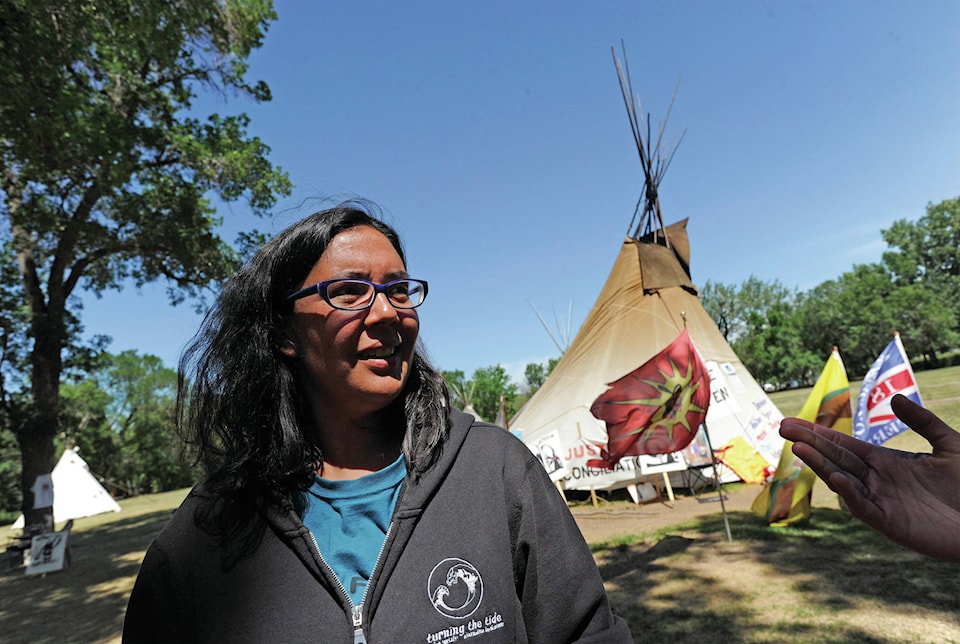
(613, 520)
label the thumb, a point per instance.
(942, 437)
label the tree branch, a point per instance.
(68, 240)
(80, 266)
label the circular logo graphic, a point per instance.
(455, 588)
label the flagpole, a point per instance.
(716, 477)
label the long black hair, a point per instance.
(238, 401)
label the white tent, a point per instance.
(76, 493)
(648, 299)
(468, 409)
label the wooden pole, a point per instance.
(666, 482)
(593, 491)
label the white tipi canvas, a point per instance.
(76, 493)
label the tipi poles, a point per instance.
(652, 157)
(716, 477)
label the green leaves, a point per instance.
(121, 418)
(106, 173)
(482, 391)
(99, 145)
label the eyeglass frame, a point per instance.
(320, 288)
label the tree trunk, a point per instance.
(37, 434)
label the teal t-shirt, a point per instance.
(349, 520)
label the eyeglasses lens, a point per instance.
(354, 294)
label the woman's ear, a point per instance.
(288, 347)
(286, 343)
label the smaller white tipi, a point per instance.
(76, 493)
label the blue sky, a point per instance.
(494, 137)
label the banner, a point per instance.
(874, 420)
(786, 499)
(657, 408)
(48, 553)
(548, 449)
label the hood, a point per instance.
(418, 491)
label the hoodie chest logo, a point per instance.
(455, 588)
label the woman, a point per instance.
(345, 500)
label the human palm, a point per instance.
(913, 499)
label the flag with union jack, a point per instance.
(658, 407)
(874, 420)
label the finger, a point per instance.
(838, 477)
(815, 460)
(923, 421)
(797, 429)
(845, 452)
(856, 497)
(826, 462)
(804, 440)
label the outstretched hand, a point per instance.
(913, 499)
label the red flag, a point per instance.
(656, 408)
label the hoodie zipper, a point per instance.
(358, 637)
(356, 610)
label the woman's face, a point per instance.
(355, 362)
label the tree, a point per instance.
(536, 373)
(927, 324)
(482, 391)
(860, 310)
(121, 420)
(772, 349)
(143, 397)
(732, 307)
(720, 303)
(461, 391)
(852, 312)
(9, 474)
(105, 172)
(13, 355)
(928, 246)
(83, 425)
(489, 384)
(927, 251)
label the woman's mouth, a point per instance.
(378, 353)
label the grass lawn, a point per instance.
(85, 602)
(833, 580)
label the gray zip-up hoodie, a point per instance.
(481, 548)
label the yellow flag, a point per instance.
(786, 499)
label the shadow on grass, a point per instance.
(773, 585)
(770, 585)
(103, 565)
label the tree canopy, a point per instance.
(482, 391)
(107, 173)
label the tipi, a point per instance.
(76, 493)
(648, 299)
